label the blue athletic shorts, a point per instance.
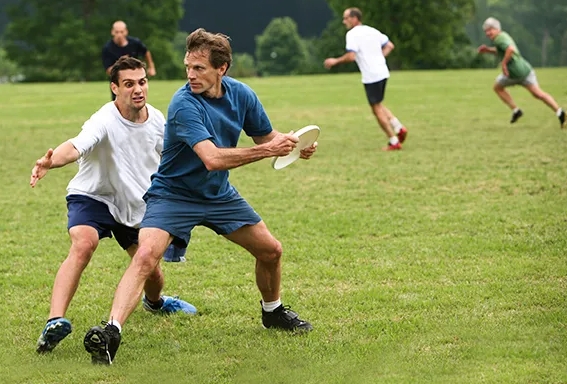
(83, 210)
(179, 217)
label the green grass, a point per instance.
(445, 262)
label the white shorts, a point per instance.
(505, 81)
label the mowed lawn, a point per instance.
(445, 262)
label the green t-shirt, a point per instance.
(518, 67)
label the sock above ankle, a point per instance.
(396, 125)
(559, 112)
(54, 318)
(155, 304)
(515, 109)
(394, 140)
(116, 324)
(270, 306)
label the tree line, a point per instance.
(44, 42)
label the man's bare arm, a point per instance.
(151, 65)
(62, 155)
(219, 159)
(387, 48)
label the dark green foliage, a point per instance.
(58, 41)
(279, 49)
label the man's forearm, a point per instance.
(149, 59)
(64, 154)
(229, 158)
(507, 56)
(265, 138)
(346, 58)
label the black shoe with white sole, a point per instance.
(286, 319)
(102, 343)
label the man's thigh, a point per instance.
(176, 217)
(83, 210)
(225, 217)
(505, 81)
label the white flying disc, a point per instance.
(307, 137)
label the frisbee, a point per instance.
(307, 137)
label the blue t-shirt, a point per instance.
(192, 118)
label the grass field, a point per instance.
(445, 262)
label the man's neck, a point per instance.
(133, 115)
(121, 43)
(215, 92)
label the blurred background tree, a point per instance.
(62, 41)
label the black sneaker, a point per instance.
(102, 343)
(562, 119)
(516, 115)
(284, 318)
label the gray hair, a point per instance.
(491, 22)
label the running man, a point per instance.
(515, 71)
(123, 45)
(369, 48)
(205, 119)
(117, 150)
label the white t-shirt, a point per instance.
(117, 159)
(367, 43)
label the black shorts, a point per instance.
(375, 91)
(83, 210)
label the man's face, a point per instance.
(119, 32)
(132, 88)
(348, 20)
(202, 76)
(491, 33)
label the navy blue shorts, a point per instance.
(83, 210)
(179, 217)
(375, 91)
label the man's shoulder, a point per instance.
(108, 45)
(132, 39)
(362, 29)
(503, 37)
(237, 86)
(105, 113)
(183, 98)
(156, 113)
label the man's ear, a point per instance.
(114, 88)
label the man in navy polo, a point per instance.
(123, 45)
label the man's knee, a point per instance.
(272, 253)
(147, 257)
(498, 87)
(82, 250)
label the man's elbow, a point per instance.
(212, 163)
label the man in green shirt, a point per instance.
(515, 71)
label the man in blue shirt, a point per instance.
(191, 187)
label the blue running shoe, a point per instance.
(54, 331)
(170, 305)
(174, 254)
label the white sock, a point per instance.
(271, 305)
(516, 110)
(559, 112)
(394, 140)
(396, 125)
(116, 324)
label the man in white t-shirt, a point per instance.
(118, 149)
(369, 48)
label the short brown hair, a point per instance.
(123, 63)
(216, 44)
(355, 12)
